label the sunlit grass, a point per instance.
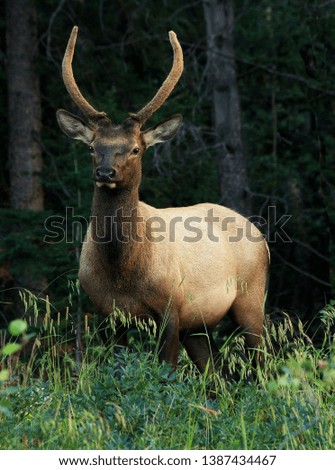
(50, 400)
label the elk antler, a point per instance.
(70, 82)
(170, 82)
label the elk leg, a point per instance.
(120, 341)
(248, 313)
(117, 338)
(169, 340)
(201, 349)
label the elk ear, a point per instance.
(74, 127)
(162, 131)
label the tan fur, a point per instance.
(203, 279)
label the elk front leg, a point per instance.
(169, 340)
(202, 350)
(120, 340)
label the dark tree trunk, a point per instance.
(24, 108)
(24, 122)
(219, 17)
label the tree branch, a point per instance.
(301, 271)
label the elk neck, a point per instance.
(117, 225)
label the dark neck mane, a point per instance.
(116, 225)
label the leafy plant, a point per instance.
(17, 329)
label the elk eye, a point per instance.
(136, 151)
(91, 149)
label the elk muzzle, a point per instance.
(105, 176)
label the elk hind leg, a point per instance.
(248, 314)
(202, 350)
(169, 340)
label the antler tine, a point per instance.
(168, 85)
(70, 82)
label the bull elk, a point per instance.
(187, 280)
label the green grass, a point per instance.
(48, 402)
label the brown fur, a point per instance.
(187, 286)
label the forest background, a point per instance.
(257, 95)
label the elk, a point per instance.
(188, 279)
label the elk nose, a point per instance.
(103, 174)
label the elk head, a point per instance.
(117, 149)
